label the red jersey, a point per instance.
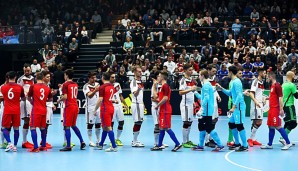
(275, 93)
(70, 88)
(40, 93)
(107, 91)
(12, 93)
(165, 90)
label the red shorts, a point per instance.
(9, 120)
(106, 117)
(38, 121)
(165, 120)
(70, 116)
(273, 117)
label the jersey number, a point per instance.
(74, 92)
(41, 94)
(10, 93)
(112, 93)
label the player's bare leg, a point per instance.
(256, 123)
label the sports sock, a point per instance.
(188, 132)
(34, 137)
(156, 137)
(160, 138)
(16, 137)
(67, 137)
(230, 139)
(271, 136)
(25, 133)
(202, 138)
(185, 133)
(43, 137)
(235, 135)
(2, 137)
(119, 132)
(112, 138)
(253, 133)
(243, 138)
(64, 137)
(207, 138)
(284, 135)
(173, 137)
(89, 132)
(6, 135)
(135, 136)
(215, 137)
(97, 134)
(78, 133)
(103, 137)
(287, 131)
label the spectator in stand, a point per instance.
(264, 28)
(85, 38)
(293, 28)
(119, 32)
(273, 28)
(194, 65)
(96, 18)
(73, 50)
(140, 56)
(170, 64)
(237, 27)
(110, 57)
(223, 10)
(247, 64)
(292, 64)
(208, 18)
(168, 45)
(229, 51)
(225, 62)
(157, 31)
(35, 67)
(149, 22)
(284, 27)
(236, 63)
(180, 64)
(165, 15)
(49, 59)
(215, 63)
(279, 73)
(254, 14)
(58, 76)
(184, 55)
(258, 63)
(115, 67)
(254, 27)
(252, 49)
(222, 73)
(48, 33)
(293, 53)
(145, 74)
(128, 45)
(281, 41)
(247, 77)
(139, 32)
(129, 30)
(275, 10)
(270, 47)
(184, 33)
(196, 55)
(122, 78)
(176, 78)
(231, 40)
(209, 47)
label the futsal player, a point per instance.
(90, 90)
(12, 93)
(118, 110)
(3, 141)
(238, 110)
(105, 102)
(137, 106)
(165, 112)
(275, 113)
(187, 86)
(26, 81)
(71, 110)
(206, 111)
(38, 95)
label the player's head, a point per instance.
(137, 71)
(156, 74)
(27, 69)
(261, 72)
(232, 70)
(46, 76)
(290, 76)
(11, 75)
(92, 76)
(39, 76)
(239, 73)
(188, 70)
(106, 77)
(163, 76)
(271, 76)
(203, 75)
(68, 74)
(6, 78)
(112, 77)
(212, 71)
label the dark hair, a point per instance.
(233, 69)
(91, 74)
(39, 76)
(46, 73)
(26, 65)
(186, 67)
(69, 73)
(156, 73)
(106, 76)
(260, 70)
(164, 74)
(272, 74)
(11, 75)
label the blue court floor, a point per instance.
(139, 159)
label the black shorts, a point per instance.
(205, 124)
(290, 113)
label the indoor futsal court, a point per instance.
(137, 159)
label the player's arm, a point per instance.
(30, 95)
(135, 89)
(198, 95)
(206, 97)
(98, 103)
(227, 92)
(91, 94)
(63, 96)
(154, 97)
(294, 91)
(1, 95)
(122, 99)
(252, 93)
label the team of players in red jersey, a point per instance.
(39, 94)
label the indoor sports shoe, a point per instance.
(98, 147)
(198, 148)
(282, 141)
(14, 149)
(65, 149)
(71, 144)
(9, 148)
(250, 142)
(43, 149)
(266, 146)
(83, 145)
(137, 144)
(118, 142)
(286, 147)
(156, 148)
(256, 142)
(241, 149)
(111, 149)
(163, 146)
(27, 145)
(230, 144)
(49, 146)
(235, 146)
(218, 148)
(191, 143)
(186, 145)
(91, 144)
(34, 150)
(176, 148)
(210, 144)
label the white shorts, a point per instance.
(255, 112)
(91, 119)
(155, 114)
(61, 105)
(1, 115)
(118, 113)
(49, 115)
(25, 109)
(215, 113)
(137, 111)
(186, 112)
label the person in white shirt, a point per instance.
(125, 20)
(145, 74)
(35, 67)
(231, 40)
(170, 65)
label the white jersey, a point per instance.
(26, 82)
(134, 86)
(257, 87)
(157, 90)
(90, 102)
(1, 103)
(186, 84)
(117, 94)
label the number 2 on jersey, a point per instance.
(112, 94)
